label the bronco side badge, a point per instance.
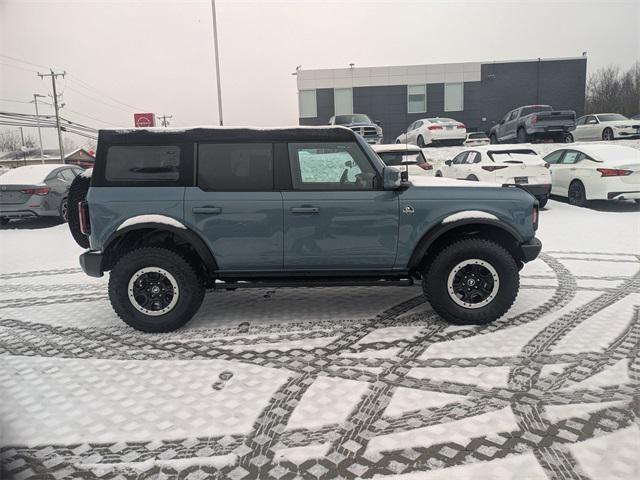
(408, 210)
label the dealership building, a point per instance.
(475, 93)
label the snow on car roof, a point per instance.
(29, 175)
(397, 147)
(607, 152)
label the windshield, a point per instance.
(348, 119)
(534, 109)
(398, 158)
(612, 117)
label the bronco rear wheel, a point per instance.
(155, 289)
(473, 281)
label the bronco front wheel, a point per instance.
(155, 289)
(473, 281)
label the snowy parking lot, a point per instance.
(328, 383)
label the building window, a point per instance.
(343, 101)
(453, 97)
(416, 98)
(308, 106)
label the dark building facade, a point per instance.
(476, 93)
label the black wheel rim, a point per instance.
(575, 195)
(473, 283)
(153, 291)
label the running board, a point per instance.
(315, 282)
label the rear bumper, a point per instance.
(631, 195)
(550, 130)
(537, 190)
(91, 263)
(17, 213)
(531, 249)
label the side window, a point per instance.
(571, 157)
(418, 124)
(581, 121)
(411, 127)
(330, 166)
(460, 158)
(143, 163)
(554, 157)
(513, 115)
(67, 175)
(591, 120)
(228, 167)
(473, 157)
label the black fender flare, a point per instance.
(185, 234)
(428, 239)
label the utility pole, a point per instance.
(53, 76)
(35, 101)
(24, 147)
(215, 50)
(164, 120)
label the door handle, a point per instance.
(207, 210)
(305, 210)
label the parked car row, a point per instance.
(579, 173)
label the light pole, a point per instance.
(215, 49)
(35, 101)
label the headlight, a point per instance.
(621, 126)
(379, 130)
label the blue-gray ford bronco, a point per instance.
(172, 213)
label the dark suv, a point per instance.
(173, 213)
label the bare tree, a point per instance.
(610, 90)
(11, 140)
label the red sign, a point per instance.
(144, 120)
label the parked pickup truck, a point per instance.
(360, 123)
(532, 123)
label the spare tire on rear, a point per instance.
(78, 193)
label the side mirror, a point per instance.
(447, 163)
(378, 122)
(391, 178)
(502, 122)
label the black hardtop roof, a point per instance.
(226, 134)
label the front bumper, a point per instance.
(531, 249)
(91, 263)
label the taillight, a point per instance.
(534, 215)
(83, 212)
(461, 125)
(425, 166)
(613, 172)
(434, 127)
(492, 168)
(534, 118)
(36, 191)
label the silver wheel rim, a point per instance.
(64, 209)
(153, 291)
(473, 283)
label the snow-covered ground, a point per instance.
(328, 383)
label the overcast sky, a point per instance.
(157, 55)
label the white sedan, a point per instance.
(605, 126)
(595, 172)
(434, 131)
(503, 165)
(409, 155)
(475, 139)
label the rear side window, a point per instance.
(554, 157)
(143, 163)
(230, 167)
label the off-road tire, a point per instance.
(577, 194)
(190, 287)
(77, 193)
(522, 135)
(434, 281)
(542, 200)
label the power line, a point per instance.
(75, 79)
(98, 100)
(19, 68)
(37, 65)
(91, 118)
